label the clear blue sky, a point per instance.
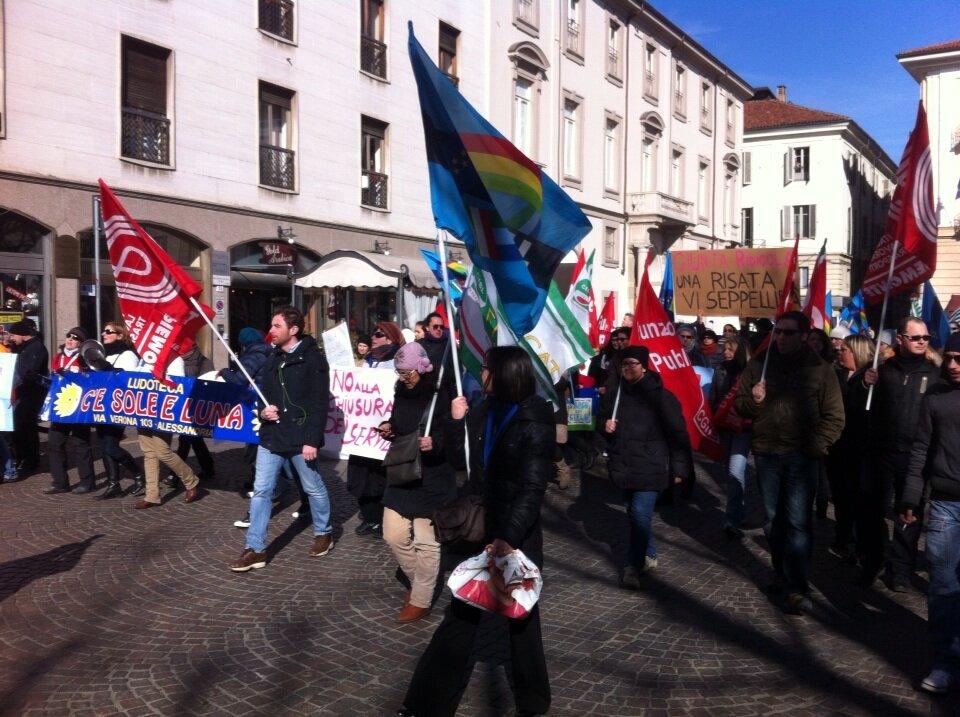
(833, 55)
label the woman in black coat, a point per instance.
(512, 438)
(408, 508)
(647, 448)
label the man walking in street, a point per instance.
(797, 413)
(296, 383)
(30, 381)
(934, 458)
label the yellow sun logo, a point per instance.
(67, 400)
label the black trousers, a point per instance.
(62, 440)
(200, 450)
(26, 433)
(440, 678)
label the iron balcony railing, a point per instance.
(373, 192)
(276, 17)
(573, 36)
(277, 167)
(145, 136)
(373, 56)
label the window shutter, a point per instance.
(813, 220)
(145, 77)
(785, 216)
(787, 175)
(806, 169)
(747, 171)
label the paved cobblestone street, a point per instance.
(107, 610)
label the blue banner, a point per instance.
(190, 407)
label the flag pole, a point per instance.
(229, 351)
(442, 246)
(883, 316)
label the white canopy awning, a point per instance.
(368, 269)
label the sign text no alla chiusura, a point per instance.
(729, 282)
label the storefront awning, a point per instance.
(368, 269)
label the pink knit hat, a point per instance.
(412, 357)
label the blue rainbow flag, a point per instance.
(515, 222)
(931, 311)
(455, 271)
(666, 287)
(854, 315)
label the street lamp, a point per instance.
(292, 269)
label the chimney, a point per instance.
(782, 93)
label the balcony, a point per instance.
(277, 167)
(662, 209)
(613, 63)
(276, 17)
(373, 57)
(373, 189)
(145, 136)
(573, 37)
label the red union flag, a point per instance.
(153, 291)
(815, 307)
(652, 328)
(605, 323)
(911, 223)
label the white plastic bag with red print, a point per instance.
(509, 585)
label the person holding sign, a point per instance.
(647, 447)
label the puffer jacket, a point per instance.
(515, 478)
(298, 383)
(895, 412)
(651, 444)
(803, 409)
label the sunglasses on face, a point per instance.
(73, 337)
(436, 327)
(629, 364)
(786, 332)
(112, 332)
(947, 358)
(378, 335)
(917, 338)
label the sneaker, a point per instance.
(11, 478)
(243, 523)
(249, 560)
(649, 564)
(366, 528)
(630, 579)
(302, 512)
(796, 604)
(939, 681)
(322, 544)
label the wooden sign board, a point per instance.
(729, 282)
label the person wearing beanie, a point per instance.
(363, 348)
(932, 468)
(386, 339)
(688, 337)
(408, 509)
(648, 448)
(67, 438)
(837, 335)
(30, 379)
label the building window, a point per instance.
(611, 246)
(373, 48)
(526, 16)
(449, 37)
(731, 122)
(746, 221)
(799, 221)
(276, 17)
(572, 127)
(704, 198)
(706, 107)
(796, 165)
(277, 157)
(676, 172)
(145, 126)
(679, 91)
(523, 115)
(611, 155)
(747, 171)
(614, 50)
(530, 68)
(573, 42)
(652, 127)
(804, 277)
(373, 177)
(650, 68)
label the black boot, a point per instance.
(113, 479)
(139, 486)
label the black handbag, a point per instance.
(402, 461)
(459, 525)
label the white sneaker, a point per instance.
(244, 523)
(939, 681)
(649, 564)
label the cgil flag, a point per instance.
(154, 292)
(933, 315)
(515, 222)
(580, 297)
(911, 223)
(815, 305)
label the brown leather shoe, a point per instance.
(412, 613)
(194, 494)
(249, 559)
(141, 504)
(322, 544)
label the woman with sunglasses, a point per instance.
(117, 348)
(70, 437)
(385, 340)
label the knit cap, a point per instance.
(412, 357)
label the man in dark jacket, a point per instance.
(797, 413)
(296, 382)
(648, 448)
(900, 385)
(934, 458)
(30, 382)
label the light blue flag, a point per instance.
(934, 317)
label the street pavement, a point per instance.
(107, 610)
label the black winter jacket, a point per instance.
(438, 486)
(936, 448)
(254, 358)
(895, 412)
(298, 383)
(651, 444)
(515, 478)
(30, 371)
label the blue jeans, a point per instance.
(943, 595)
(788, 486)
(261, 504)
(737, 447)
(640, 504)
(7, 464)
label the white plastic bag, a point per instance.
(509, 585)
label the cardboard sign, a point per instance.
(729, 282)
(360, 400)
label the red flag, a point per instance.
(154, 292)
(605, 321)
(911, 223)
(815, 305)
(652, 328)
(787, 296)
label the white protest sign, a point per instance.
(336, 345)
(8, 363)
(361, 398)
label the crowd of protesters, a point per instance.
(794, 396)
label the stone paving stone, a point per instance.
(106, 610)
